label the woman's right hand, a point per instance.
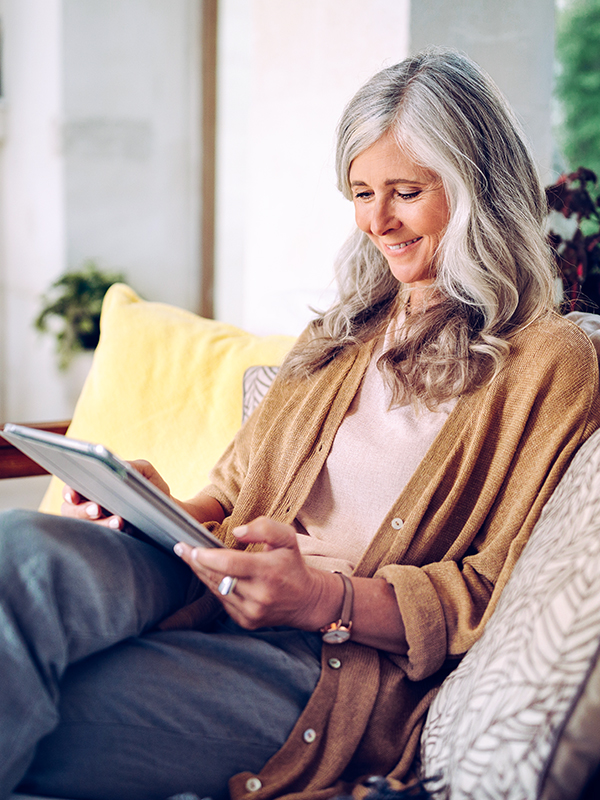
(79, 507)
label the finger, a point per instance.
(233, 600)
(211, 577)
(114, 522)
(146, 469)
(81, 510)
(71, 496)
(267, 531)
(237, 563)
(91, 512)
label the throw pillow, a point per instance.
(166, 385)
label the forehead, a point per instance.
(387, 160)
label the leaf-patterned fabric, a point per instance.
(257, 381)
(496, 725)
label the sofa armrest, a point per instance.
(15, 464)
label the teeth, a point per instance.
(403, 244)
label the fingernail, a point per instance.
(93, 510)
(178, 549)
(240, 531)
(69, 497)
(114, 523)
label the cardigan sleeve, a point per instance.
(446, 603)
(228, 475)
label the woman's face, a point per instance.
(401, 207)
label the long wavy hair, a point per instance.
(494, 274)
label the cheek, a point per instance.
(431, 223)
(440, 215)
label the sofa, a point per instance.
(520, 716)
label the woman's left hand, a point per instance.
(274, 586)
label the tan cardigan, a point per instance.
(447, 546)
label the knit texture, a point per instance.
(467, 513)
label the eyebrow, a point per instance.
(391, 182)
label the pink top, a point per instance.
(374, 454)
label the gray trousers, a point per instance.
(96, 704)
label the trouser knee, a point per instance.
(28, 536)
(20, 532)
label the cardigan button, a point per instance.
(397, 523)
(334, 663)
(253, 784)
(309, 735)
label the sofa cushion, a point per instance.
(166, 385)
(512, 720)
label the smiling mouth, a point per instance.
(403, 244)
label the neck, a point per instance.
(420, 298)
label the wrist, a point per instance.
(203, 508)
(326, 597)
(340, 629)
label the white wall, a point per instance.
(32, 213)
(286, 70)
(100, 161)
(131, 141)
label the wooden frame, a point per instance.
(208, 44)
(15, 464)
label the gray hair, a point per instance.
(493, 266)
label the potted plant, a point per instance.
(71, 310)
(576, 247)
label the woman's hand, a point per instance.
(75, 505)
(274, 586)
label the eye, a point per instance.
(409, 196)
(363, 195)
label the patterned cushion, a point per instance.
(255, 386)
(508, 716)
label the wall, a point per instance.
(100, 161)
(32, 213)
(514, 41)
(131, 141)
(285, 72)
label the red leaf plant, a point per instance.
(577, 257)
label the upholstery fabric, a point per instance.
(257, 381)
(578, 748)
(166, 385)
(522, 702)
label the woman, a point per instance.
(392, 476)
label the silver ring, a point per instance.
(227, 585)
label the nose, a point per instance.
(383, 218)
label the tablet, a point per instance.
(97, 474)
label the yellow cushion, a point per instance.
(165, 385)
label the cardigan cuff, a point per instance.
(221, 498)
(423, 618)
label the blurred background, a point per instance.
(187, 146)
